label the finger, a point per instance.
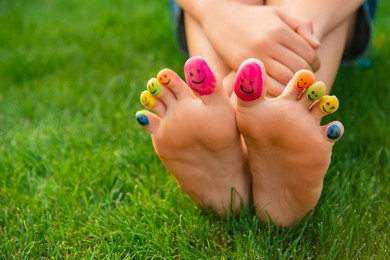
(303, 28)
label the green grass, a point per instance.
(79, 178)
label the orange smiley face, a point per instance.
(165, 76)
(303, 79)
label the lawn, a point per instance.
(79, 178)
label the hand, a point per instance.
(283, 42)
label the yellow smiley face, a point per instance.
(303, 79)
(328, 104)
(147, 99)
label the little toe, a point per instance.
(298, 84)
(325, 106)
(149, 101)
(174, 83)
(148, 120)
(161, 92)
(333, 131)
(203, 82)
(249, 83)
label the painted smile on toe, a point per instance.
(315, 91)
(141, 118)
(250, 92)
(200, 81)
(248, 84)
(199, 76)
(154, 87)
(328, 104)
(304, 79)
(147, 99)
(162, 80)
(165, 76)
(333, 133)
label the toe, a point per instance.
(325, 106)
(249, 83)
(333, 131)
(149, 101)
(161, 92)
(313, 93)
(203, 82)
(148, 120)
(168, 78)
(298, 84)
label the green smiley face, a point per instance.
(315, 91)
(154, 87)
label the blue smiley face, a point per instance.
(142, 119)
(333, 132)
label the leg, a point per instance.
(196, 136)
(199, 45)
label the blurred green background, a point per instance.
(79, 178)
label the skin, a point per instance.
(205, 153)
(211, 33)
(285, 186)
(201, 148)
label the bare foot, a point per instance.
(196, 136)
(289, 152)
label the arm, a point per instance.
(238, 31)
(315, 10)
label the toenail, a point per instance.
(203, 82)
(304, 80)
(154, 87)
(147, 99)
(315, 91)
(248, 84)
(328, 104)
(333, 133)
(141, 118)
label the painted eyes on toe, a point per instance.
(164, 77)
(316, 91)
(199, 76)
(248, 84)
(147, 99)
(328, 104)
(304, 79)
(154, 87)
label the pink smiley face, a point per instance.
(248, 84)
(199, 76)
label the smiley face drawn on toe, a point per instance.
(147, 99)
(164, 77)
(199, 76)
(333, 133)
(328, 104)
(141, 118)
(248, 84)
(154, 87)
(315, 91)
(304, 79)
